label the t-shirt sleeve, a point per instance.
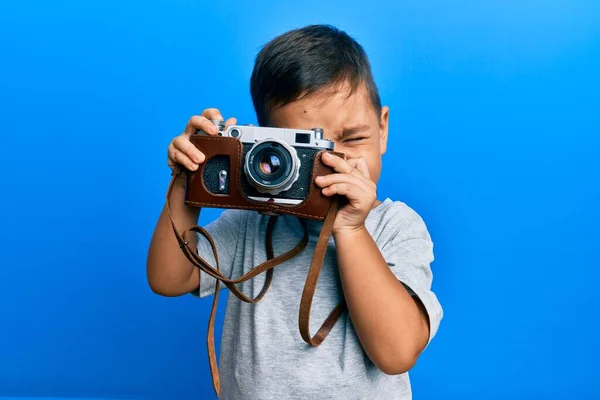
(225, 231)
(409, 255)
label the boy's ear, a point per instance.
(383, 128)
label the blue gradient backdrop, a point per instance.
(495, 125)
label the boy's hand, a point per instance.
(182, 151)
(351, 180)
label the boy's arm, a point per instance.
(393, 326)
(168, 270)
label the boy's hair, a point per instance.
(303, 61)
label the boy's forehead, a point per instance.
(331, 110)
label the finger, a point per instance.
(337, 163)
(212, 113)
(201, 123)
(352, 192)
(333, 179)
(183, 144)
(180, 158)
(360, 164)
(231, 121)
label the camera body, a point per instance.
(262, 168)
(277, 162)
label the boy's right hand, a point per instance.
(182, 151)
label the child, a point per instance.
(378, 258)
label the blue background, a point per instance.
(495, 125)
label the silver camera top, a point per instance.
(295, 137)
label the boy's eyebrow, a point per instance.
(354, 129)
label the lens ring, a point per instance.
(267, 150)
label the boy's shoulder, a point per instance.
(397, 220)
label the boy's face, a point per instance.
(351, 122)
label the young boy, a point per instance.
(378, 258)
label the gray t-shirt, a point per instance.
(262, 354)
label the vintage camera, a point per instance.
(277, 162)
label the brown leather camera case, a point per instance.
(315, 206)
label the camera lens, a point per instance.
(272, 166)
(269, 164)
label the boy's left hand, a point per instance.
(353, 181)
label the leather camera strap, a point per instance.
(272, 261)
(311, 285)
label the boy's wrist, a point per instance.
(351, 233)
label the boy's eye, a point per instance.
(354, 140)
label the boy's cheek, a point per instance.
(374, 169)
